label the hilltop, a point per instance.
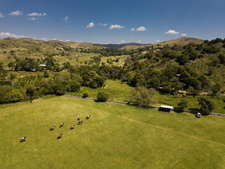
(180, 41)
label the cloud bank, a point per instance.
(7, 34)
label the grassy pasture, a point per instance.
(116, 136)
(121, 91)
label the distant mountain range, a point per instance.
(120, 46)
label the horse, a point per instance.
(78, 118)
(60, 136)
(52, 128)
(61, 125)
(80, 122)
(22, 139)
(72, 127)
(88, 117)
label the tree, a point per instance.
(142, 96)
(102, 96)
(216, 88)
(137, 80)
(30, 92)
(206, 105)
(74, 86)
(222, 58)
(46, 75)
(3, 72)
(181, 105)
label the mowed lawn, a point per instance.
(116, 136)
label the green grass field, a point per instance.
(116, 136)
(118, 90)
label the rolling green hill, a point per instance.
(180, 41)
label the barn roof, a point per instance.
(166, 107)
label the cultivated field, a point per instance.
(116, 136)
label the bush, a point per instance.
(181, 106)
(85, 94)
(206, 105)
(74, 86)
(13, 96)
(102, 96)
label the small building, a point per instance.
(42, 65)
(166, 108)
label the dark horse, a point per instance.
(80, 122)
(88, 117)
(22, 139)
(52, 128)
(60, 136)
(61, 125)
(72, 127)
(78, 118)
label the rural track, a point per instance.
(157, 127)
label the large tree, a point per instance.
(142, 96)
(206, 105)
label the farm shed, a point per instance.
(166, 108)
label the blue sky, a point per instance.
(112, 21)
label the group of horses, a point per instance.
(71, 128)
(61, 125)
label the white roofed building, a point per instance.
(166, 108)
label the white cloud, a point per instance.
(139, 41)
(37, 14)
(122, 41)
(183, 34)
(66, 19)
(171, 32)
(91, 25)
(31, 19)
(16, 13)
(34, 16)
(157, 40)
(141, 28)
(116, 27)
(132, 29)
(7, 34)
(1, 15)
(103, 24)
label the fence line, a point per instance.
(133, 104)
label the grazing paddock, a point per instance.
(116, 136)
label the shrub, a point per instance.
(85, 94)
(206, 105)
(181, 106)
(9, 94)
(13, 96)
(74, 86)
(102, 96)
